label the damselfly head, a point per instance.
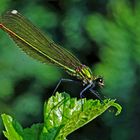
(99, 81)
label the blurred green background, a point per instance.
(103, 34)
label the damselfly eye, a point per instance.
(100, 81)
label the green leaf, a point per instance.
(63, 115)
(14, 131)
(12, 128)
(33, 133)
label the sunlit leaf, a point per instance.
(67, 114)
(62, 116)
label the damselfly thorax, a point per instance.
(84, 74)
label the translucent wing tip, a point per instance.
(14, 12)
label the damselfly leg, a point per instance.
(95, 94)
(86, 88)
(63, 80)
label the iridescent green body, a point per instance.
(39, 46)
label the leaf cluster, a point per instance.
(62, 116)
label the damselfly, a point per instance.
(39, 46)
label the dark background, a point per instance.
(103, 34)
